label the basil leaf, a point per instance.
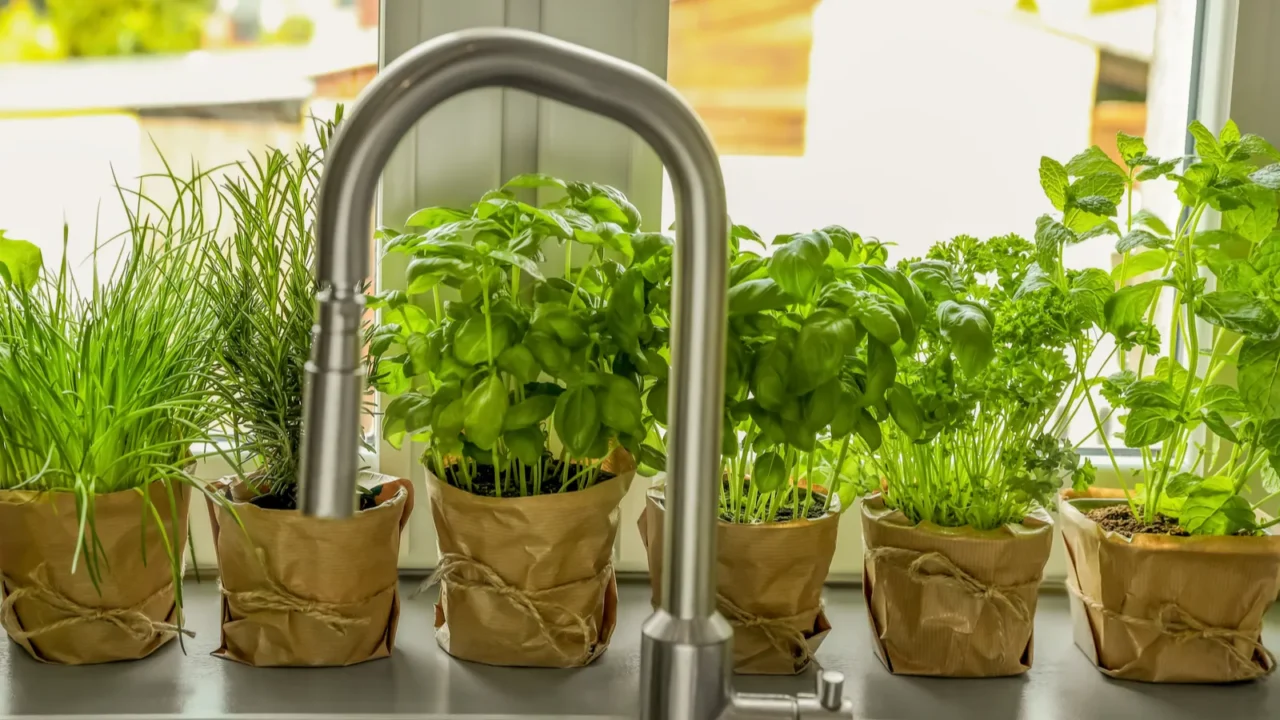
(968, 327)
(1258, 376)
(577, 420)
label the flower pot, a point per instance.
(769, 586)
(1159, 608)
(952, 602)
(310, 592)
(59, 616)
(528, 581)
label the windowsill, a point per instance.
(421, 681)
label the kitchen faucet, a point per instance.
(687, 646)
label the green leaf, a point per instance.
(1106, 227)
(1036, 280)
(869, 430)
(486, 410)
(897, 283)
(1104, 185)
(1148, 425)
(526, 444)
(1268, 177)
(841, 239)
(1051, 236)
(656, 401)
(1152, 394)
(968, 327)
(423, 274)
(1094, 161)
(560, 322)
(1256, 220)
(1151, 220)
(534, 180)
(1230, 132)
(519, 362)
(1223, 399)
(1258, 376)
(906, 413)
(396, 417)
(519, 261)
(1053, 178)
(434, 217)
(1213, 508)
(649, 245)
(795, 266)
(625, 313)
(769, 472)
(1083, 477)
(769, 378)
(1207, 146)
(1181, 485)
(530, 411)
(819, 351)
(549, 353)
(1139, 264)
(620, 405)
(1137, 238)
(882, 368)
(1220, 426)
(876, 317)
(1130, 147)
(20, 262)
(1090, 291)
(1096, 204)
(755, 296)
(1159, 170)
(473, 341)
(1239, 312)
(577, 420)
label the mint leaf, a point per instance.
(1090, 291)
(1222, 399)
(1126, 311)
(1256, 220)
(1034, 281)
(1257, 146)
(1051, 236)
(1093, 161)
(1259, 376)
(1230, 133)
(1053, 178)
(1155, 171)
(1148, 218)
(1096, 204)
(1106, 227)
(1104, 185)
(1138, 238)
(1130, 148)
(1139, 264)
(1239, 312)
(1268, 177)
(1207, 146)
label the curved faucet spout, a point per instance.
(410, 87)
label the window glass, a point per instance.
(916, 121)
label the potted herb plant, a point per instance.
(102, 397)
(526, 392)
(296, 591)
(955, 531)
(814, 330)
(1170, 580)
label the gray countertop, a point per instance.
(421, 681)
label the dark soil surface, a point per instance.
(288, 500)
(1118, 518)
(484, 480)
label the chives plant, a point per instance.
(107, 390)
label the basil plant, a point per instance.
(815, 328)
(1207, 422)
(520, 383)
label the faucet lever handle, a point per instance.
(830, 689)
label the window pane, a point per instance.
(916, 121)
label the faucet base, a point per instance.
(685, 666)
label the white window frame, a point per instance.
(494, 134)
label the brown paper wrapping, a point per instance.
(528, 581)
(952, 602)
(310, 592)
(769, 586)
(59, 617)
(1159, 608)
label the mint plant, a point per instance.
(1201, 437)
(815, 330)
(498, 356)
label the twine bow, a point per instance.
(780, 631)
(454, 569)
(934, 567)
(131, 620)
(1175, 622)
(278, 598)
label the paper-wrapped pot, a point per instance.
(1159, 608)
(952, 602)
(310, 592)
(528, 581)
(60, 617)
(768, 585)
